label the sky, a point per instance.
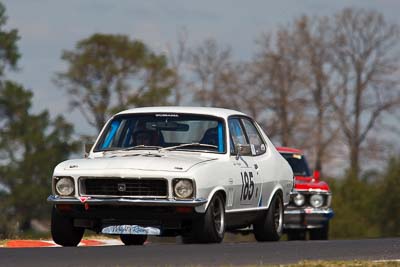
(47, 27)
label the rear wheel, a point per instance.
(133, 240)
(210, 228)
(63, 231)
(269, 226)
(320, 233)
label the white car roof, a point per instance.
(218, 112)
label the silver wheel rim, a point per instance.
(278, 216)
(218, 216)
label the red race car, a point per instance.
(309, 209)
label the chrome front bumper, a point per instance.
(126, 201)
(307, 218)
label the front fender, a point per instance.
(277, 188)
(203, 208)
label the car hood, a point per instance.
(139, 161)
(310, 184)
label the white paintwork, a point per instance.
(211, 172)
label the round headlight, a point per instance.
(299, 200)
(65, 186)
(183, 189)
(316, 201)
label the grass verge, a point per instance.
(355, 263)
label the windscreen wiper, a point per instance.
(121, 149)
(188, 144)
(141, 146)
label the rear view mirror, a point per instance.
(243, 150)
(167, 126)
(316, 175)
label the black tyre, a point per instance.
(295, 234)
(320, 233)
(210, 228)
(133, 240)
(63, 231)
(269, 227)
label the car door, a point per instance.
(268, 166)
(246, 181)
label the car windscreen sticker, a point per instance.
(166, 115)
(262, 147)
(111, 133)
(220, 138)
(296, 156)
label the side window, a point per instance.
(237, 134)
(254, 137)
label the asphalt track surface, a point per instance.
(225, 254)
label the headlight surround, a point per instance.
(183, 188)
(64, 186)
(329, 201)
(299, 200)
(317, 200)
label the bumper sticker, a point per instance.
(130, 230)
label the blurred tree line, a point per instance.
(368, 206)
(328, 85)
(30, 145)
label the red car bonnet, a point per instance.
(309, 183)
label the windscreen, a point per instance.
(298, 163)
(159, 130)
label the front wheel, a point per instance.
(133, 240)
(269, 226)
(63, 231)
(210, 228)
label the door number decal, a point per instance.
(247, 186)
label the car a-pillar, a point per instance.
(269, 226)
(210, 226)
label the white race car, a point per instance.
(168, 171)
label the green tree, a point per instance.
(9, 56)
(9, 53)
(108, 73)
(31, 145)
(354, 203)
(389, 200)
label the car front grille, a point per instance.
(132, 187)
